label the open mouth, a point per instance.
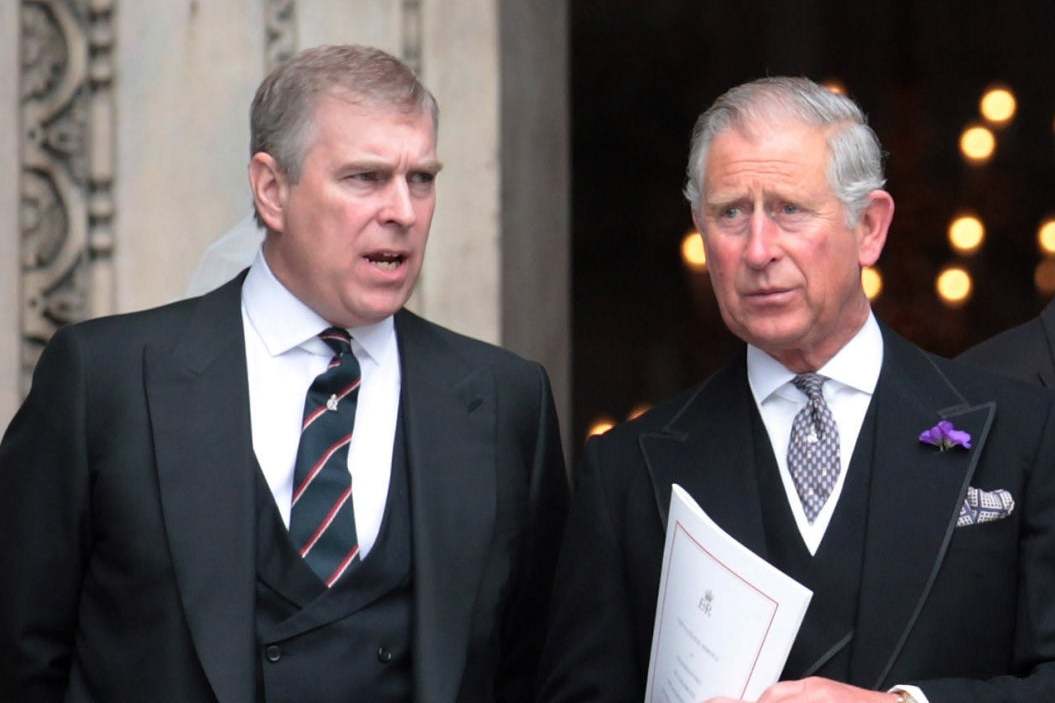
(386, 260)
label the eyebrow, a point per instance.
(431, 166)
(724, 202)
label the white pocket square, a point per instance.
(985, 506)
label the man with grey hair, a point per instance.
(290, 488)
(914, 496)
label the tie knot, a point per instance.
(337, 339)
(810, 384)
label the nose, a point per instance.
(761, 246)
(398, 206)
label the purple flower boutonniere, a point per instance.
(944, 436)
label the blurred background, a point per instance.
(561, 231)
(961, 94)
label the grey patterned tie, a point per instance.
(813, 452)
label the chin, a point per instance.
(375, 313)
(772, 340)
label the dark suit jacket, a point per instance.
(127, 514)
(966, 613)
(1026, 352)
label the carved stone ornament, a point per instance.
(412, 33)
(66, 210)
(280, 40)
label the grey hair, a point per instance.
(855, 166)
(280, 119)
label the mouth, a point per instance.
(764, 295)
(386, 260)
(767, 291)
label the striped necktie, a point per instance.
(322, 518)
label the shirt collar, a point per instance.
(856, 365)
(284, 322)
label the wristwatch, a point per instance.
(904, 697)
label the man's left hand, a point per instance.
(817, 690)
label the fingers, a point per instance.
(819, 690)
(787, 691)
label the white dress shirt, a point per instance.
(853, 373)
(283, 357)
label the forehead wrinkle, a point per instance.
(754, 188)
(760, 167)
(376, 155)
(756, 131)
(762, 160)
(768, 177)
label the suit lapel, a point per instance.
(708, 450)
(199, 412)
(914, 499)
(450, 415)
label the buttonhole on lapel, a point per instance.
(474, 404)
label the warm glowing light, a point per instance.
(835, 85)
(998, 105)
(1044, 276)
(1046, 236)
(600, 426)
(953, 286)
(977, 143)
(966, 234)
(638, 410)
(872, 282)
(692, 252)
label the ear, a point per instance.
(270, 190)
(873, 226)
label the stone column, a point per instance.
(186, 71)
(10, 252)
(536, 191)
(498, 265)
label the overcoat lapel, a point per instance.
(450, 415)
(914, 501)
(198, 402)
(708, 450)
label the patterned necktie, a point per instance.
(322, 520)
(813, 452)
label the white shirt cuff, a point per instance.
(917, 695)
